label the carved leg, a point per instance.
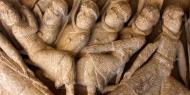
(109, 88)
(141, 59)
(69, 89)
(182, 64)
(171, 86)
(119, 74)
(91, 90)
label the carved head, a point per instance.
(87, 14)
(147, 18)
(8, 15)
(59, 9)
(117, 14)
(172, 18)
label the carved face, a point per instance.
(59, 7)
(173, 18)
(117, 14)
(55, 12)
(87, 15)
(113, 19)
(8, 15)
(147, 18)
(85, 19)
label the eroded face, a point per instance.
(9, 16)
(172, 18)
(59, 7)
(55, 12)
(87, 15)
(113, 19)
(85, 19)
(117, 14)
(148, 17)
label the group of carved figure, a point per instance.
(88, 43)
